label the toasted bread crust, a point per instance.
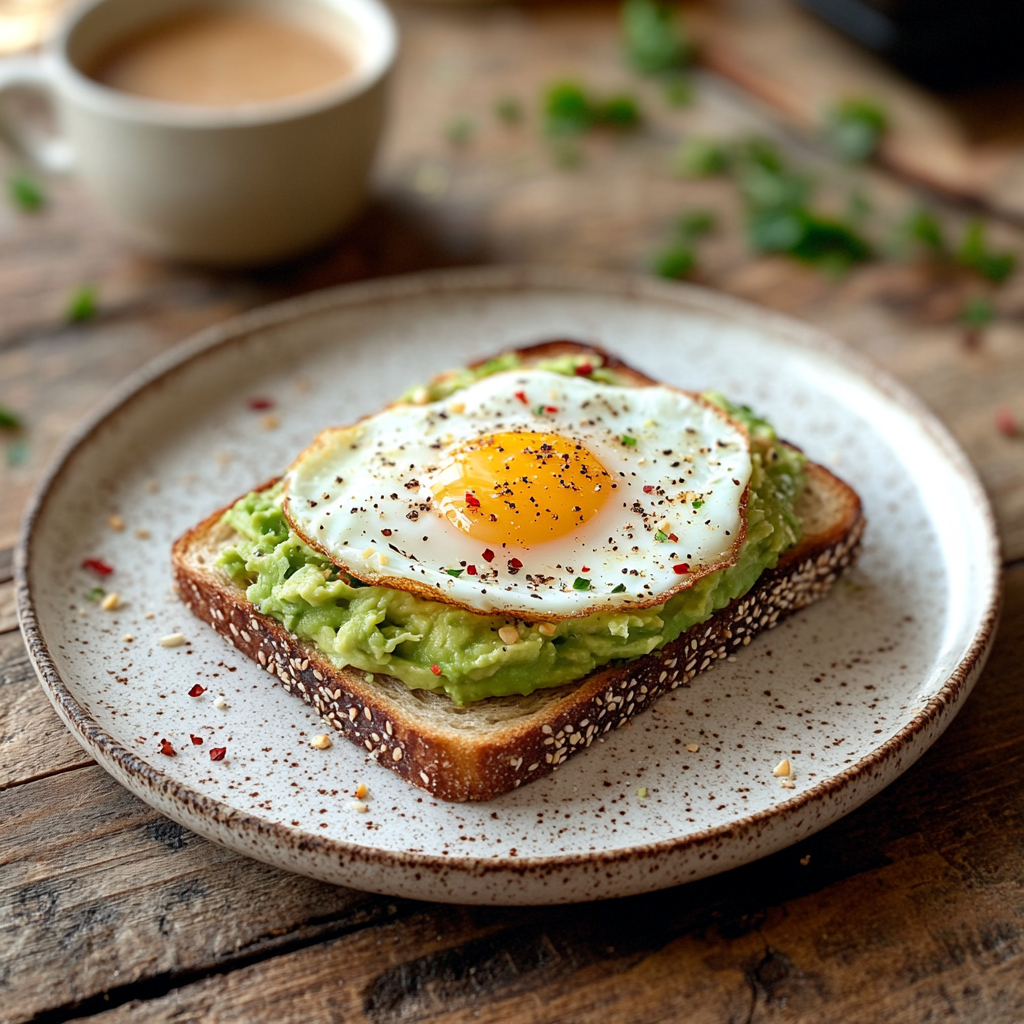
(435, 751)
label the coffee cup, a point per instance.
(222, 183)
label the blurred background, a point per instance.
(858, 163)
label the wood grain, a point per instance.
(909, 907)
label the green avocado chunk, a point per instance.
(431, 645)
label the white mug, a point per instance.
(229, 186)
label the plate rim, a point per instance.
(943, 702)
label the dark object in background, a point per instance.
(943, 44)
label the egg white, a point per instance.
(361, 495)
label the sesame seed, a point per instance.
(642, 793)
(396, 754)
(358, 806)
(787, 784)
(509, 635)
(111, 601)
(172, 640)
(546, 628)
(782, 768)
(128, 638)
(693, 747)
(362, 791)
(321, 741)
(221, 704)
(115, 522)
(368, 552)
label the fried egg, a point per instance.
(530, 494)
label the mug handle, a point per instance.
(45, 148)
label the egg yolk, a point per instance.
(520, 488)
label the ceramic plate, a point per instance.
(852, 690)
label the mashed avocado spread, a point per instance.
(376, 629)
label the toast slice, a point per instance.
(495, 745)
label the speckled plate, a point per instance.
(852, 690)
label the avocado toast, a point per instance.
(464, 732)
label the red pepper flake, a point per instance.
(681, 569)
(672, 537)
(261, 404)
(487, 555)
(98, 567)
(585, 568)
(166, 748)
(472, 500)
(196, 740)
(521, 395)
(197, 691)
(436, 669)
(385, 533)
(470, 570)
(1005, 422)
(584, 370)
(648, 488)
(217, 753)
(515, 563)
(551, 408)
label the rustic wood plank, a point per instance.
(8, 611)
(33, 740)
(97, 891)
(908, 908)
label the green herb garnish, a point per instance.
(570, 110)
(25, 193)
(620, 589)
(977, 312)
(654, 38)
(9, 420)
(701, 158)
(779, 216)
(975, 255)
(82, 305)
(629, 442)
(679, 257)
(854, 127)
(696, 503)
(96, 594)
(454, 572)
(660, 535)
(581, 584)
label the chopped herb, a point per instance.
(653, 37)
(620, 589)
(459, 130)
(96, 594)
(854, 127)
(678, 91)
(9, 420)
(539, 410)
(569, 110)
(508, 109)
(629, 442)
(697, 502)
(977, 312)
(701, 158)
(661, 535)
(25, 193)
(924, 227)
(678, 258)
(975, 255)
(581, 584)
(674, 261)
(82, 305)
(454, 572)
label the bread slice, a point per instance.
(495, 745)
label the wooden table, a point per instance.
(909, 909)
